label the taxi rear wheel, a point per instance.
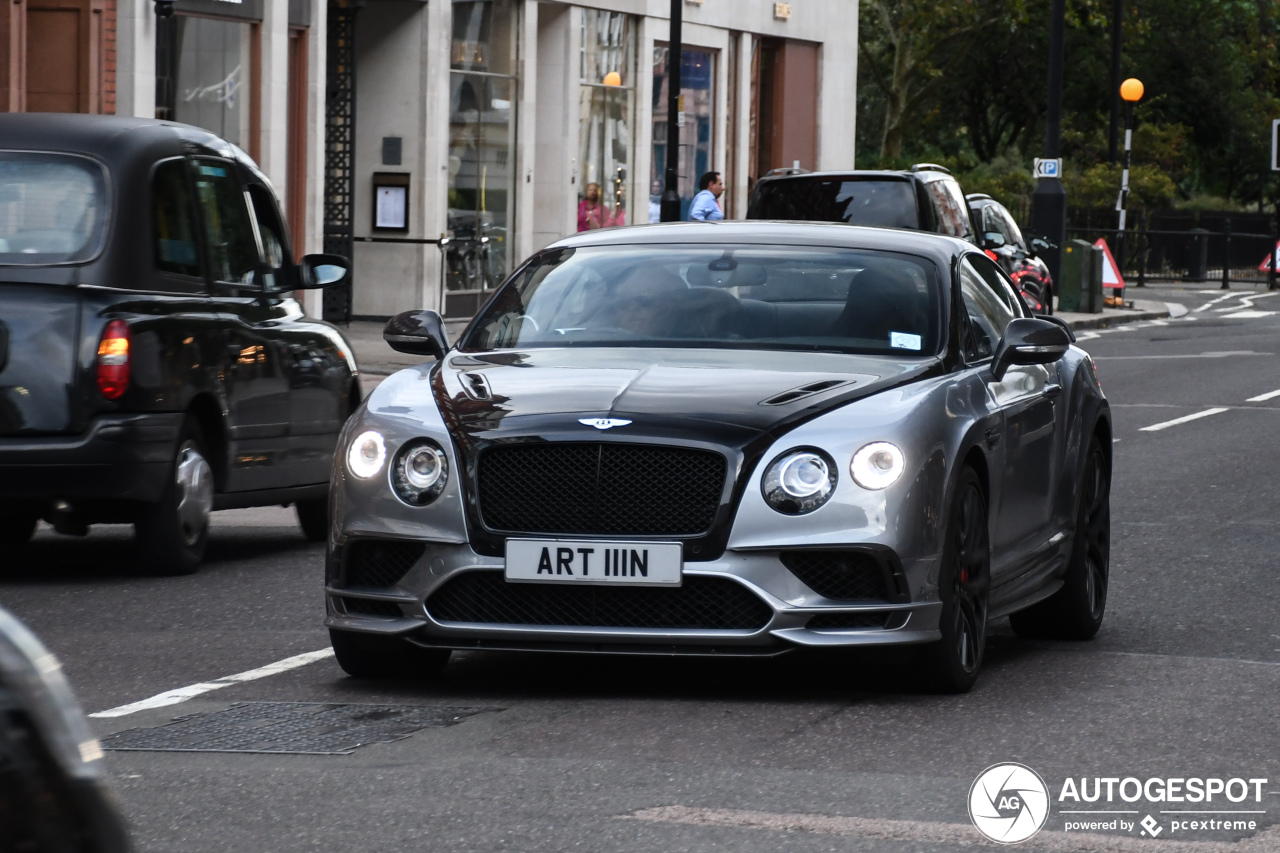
(16, 530)
(173, 532)
(313, 518)
(371, 656)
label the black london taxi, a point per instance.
(154, 365)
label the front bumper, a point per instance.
(119, 457)
(787, 610)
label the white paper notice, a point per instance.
(392, 205)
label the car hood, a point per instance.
(728, 396)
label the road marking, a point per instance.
(182, 694)
(1213, 302)
(1263, 397)
(1182, 420)
(936, 832)
(1248, 315)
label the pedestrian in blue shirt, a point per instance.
(706, 204)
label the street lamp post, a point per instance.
(1049, 202)
(675, 54)
(1131, 91)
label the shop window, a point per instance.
(482, 124)
(606, 69)
(697, 94)
(203, 75)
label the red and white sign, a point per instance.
(1265, 266)
(1110, 270)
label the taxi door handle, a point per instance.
(1052, 390)
(993, 437)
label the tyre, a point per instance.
(16, 530)
(172, 533)
(372, 656)
(313, 518)
(951, 665)
(1075, 612)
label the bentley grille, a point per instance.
(700, 602)
(601, 489)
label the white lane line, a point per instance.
(1213, 302)
(1263, 397)
(936, 832)
(182, 694)
(1222, 354)
(1248, 315)
(1182, 420)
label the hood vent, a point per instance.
(805, 391)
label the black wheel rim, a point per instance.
(970, 582)
(1097, 532)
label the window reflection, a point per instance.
(607, 73)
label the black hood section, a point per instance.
(737, 403)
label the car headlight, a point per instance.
(877, 465)
(799, 481)
(366, 454)
(419, 472)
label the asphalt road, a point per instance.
(796, 753)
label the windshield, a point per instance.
(52, 208)
(885, 202)
(757, 297)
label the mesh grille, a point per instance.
(376, 562)
(604, 489)
(850, 575)
(367, 607)
(851, 621)
(707, 603)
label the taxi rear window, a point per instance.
(53, 208)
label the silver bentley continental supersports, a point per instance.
(726, 438)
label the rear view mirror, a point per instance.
(318, 271)
(417, 333)
(1029, 341)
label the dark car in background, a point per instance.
(153, 363)
(1001, 237)
(923, 198)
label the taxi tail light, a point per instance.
(113, 360)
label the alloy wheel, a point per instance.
(194, 482)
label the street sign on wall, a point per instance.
(1048, 168)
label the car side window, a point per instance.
(1012, 233)
(988, 313)
(1000, 283)
(951, 208)
(275, 248)
(173, 220)
(233, 251)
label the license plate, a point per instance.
(594, 562)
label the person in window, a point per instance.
(706, 204)
(655, 202)
(592, 213)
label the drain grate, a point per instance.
(296, 728)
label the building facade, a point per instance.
(439, 142)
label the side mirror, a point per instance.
(1029, 341)
(993, 240)
(317, 271)
(1038, 246)
(417, 333)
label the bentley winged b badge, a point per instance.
(603, 423)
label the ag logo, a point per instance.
(1009, 803)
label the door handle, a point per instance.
(1053, 389)
(993, 437)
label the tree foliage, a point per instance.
(964, 82)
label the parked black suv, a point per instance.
(924, 198)
(153, 363)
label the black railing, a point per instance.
(1223, 256)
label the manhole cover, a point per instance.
(302, 728)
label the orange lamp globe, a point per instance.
(1131, 90)
(613, 78)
